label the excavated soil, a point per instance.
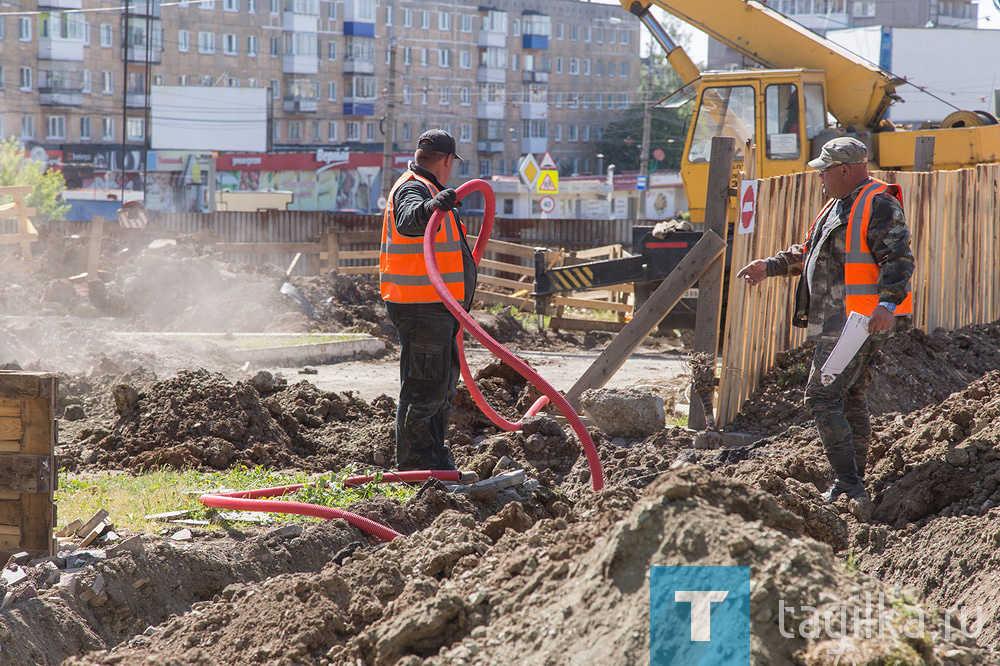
(544, 573)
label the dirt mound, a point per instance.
(914, 369)
(562, 590)
(348, 303)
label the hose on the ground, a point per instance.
(467, 322)
(248, 500)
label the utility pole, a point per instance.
(647, 121)
(389, 129)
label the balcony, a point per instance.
(56, 48)
(490, 38)
(534, 145)
(490, 110)
(535, 77)
(135, 99)
(59, 97)
(490, 146)
(359, 107)
(60, 4)
(534, 111)
(535, 42)
(141, 7)
(300, 105)
(293, 22)
(359, 29)
(137, 54)
(491, 75)
(352, 66)
(300, 64)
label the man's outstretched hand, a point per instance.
(754, 272)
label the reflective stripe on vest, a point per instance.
(860, 268)
(402, 271)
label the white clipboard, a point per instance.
(851, 338)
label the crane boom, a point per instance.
(859, 93)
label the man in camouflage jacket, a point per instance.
(821, 304)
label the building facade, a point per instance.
(506, 78)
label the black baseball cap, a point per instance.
(438, 140)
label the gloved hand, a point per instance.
(444, 201)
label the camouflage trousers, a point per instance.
(841, 409)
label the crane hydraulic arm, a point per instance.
(859, 93)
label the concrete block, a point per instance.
(624, 412)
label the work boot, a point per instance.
(855, 491)
(445, 460)
(861, 462)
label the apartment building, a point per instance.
(823, 16)
(507, 78)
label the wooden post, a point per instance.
(94, 247)
(688, 271)
(706, 328)
(27, 471)
(923, 153)
(332, 251)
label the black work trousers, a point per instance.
(428, 373)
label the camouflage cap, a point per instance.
(842, 150)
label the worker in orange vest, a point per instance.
(856, 257)
(428, 358)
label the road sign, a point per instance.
(547, 204)
(529, 171)
(748, 206)
(548, 182)
(382, 203)
(640, 182)
(547, 162)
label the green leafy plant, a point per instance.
(16, 168)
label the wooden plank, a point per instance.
(605, 251)
(509, 268)
(21, 473)
(520, 302)
(574, 324)
(708, 316)
(358, 254)
(14, 212)
(16, 190)
(502, 282)
(661, 301)
(10, 408)
(283, 248)
(94, 246)
(591, 304)
(504, 247)
(332, 251)
(12, 239)
(359, 270)
(10, 512)
(923, 153)
(10, 428)
(37, 515)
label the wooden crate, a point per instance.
(27, 463)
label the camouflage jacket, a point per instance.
(820, 302)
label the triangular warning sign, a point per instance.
(547, 162)
(546, 184)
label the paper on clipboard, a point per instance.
(851, 338)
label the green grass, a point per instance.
(677, 420)
(129, 498)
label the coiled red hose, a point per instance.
(467, 322)
(247, 500)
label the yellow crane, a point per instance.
(785, 106)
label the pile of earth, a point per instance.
(913, 370)
(521, 587)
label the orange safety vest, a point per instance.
(402, 271)
(860, 268)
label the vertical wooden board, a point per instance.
(39, 439)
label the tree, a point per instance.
(16, 168)
(621, 141)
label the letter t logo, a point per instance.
(701, 607)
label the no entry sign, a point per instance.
(748, 207)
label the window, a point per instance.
(465, 132)
(24, 34)
(516, 26)
(294, 130)
(574, 33)
(863, 9)
(183, 41)
(559, 65)
(230, 44)
(184, 80)
(611, 68)
(407, 18)
(728, 112)
(623, 68)
(484, 168)
(444, 21)
(360, 87)
(207, 81)
(331, 50)
(27, 127)
(107, 36)
(3, 31)
(252, 46)
(574, 66)
(425, 20)
(369, 131)
(274, 10)
(300, 44)
(599, 67)
(781, 113)
(515, 62)
(86, 128)
(493, 57)
(444, 57)
(574, 133)
(559, 99)
(107, 128)
(465, 97)
(625, 37)
(425, 57)
(253, 83)
(210, 4)
(586, 66)
(275, 89)
(587, 33)
(360, 49)
(55, 127)
(560, 30)
(597, 100)
(612, 36)
(231, 5)
(331, 130)
(275, 47)
(407, 132)
(353, 130)
(599, 35)
(586, 100)
(424, 97)
(331, 91)
(206, 42)
(388, 15)
(135, 129)
(251, 6)
(332, 11)
(407, 56)
(586, 133)
(815, 110)
(25, 78)
(466, 22)
(407, 95)
(444, 96)
(623, 101)
(86, 81)
(465, 59)
(557, 133)
(232, 82)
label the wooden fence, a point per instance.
(953, 218)
(16, 215)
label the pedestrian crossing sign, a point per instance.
(548, 182)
